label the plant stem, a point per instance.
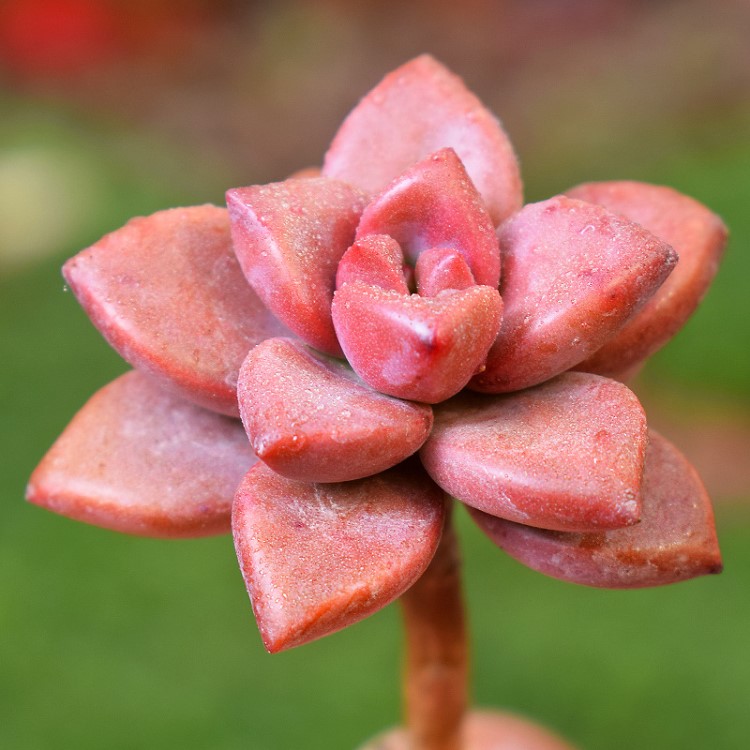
(436, 670)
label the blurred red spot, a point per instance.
(60, 37)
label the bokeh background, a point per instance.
(112, 108)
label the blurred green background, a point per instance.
(111, 109)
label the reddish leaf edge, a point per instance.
(587, 558)
(345, 606)
(93, 491)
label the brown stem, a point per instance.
(436, 673)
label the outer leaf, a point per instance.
(414, 111)
(139, 460)
(311, 418)
(698, 236)
(573, 275)
(483, 730)
(565, 455)
(167, 293)
(289, 237)
(434, 204)
(674, 541)
(317, 558)
(418, 348)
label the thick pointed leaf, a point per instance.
(566, 455)
(483, 730)
(311, 418)
(417, 348)
(377, 260)
(675, 539)
(319, 557)
(573, 275)
(434, 204)
(439, 269)
(697, 234)
(289, 237)
(414, 111)
(168, 294)
(139, 460)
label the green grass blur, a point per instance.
(115, 642)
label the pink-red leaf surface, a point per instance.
(168, 294)
(289, 237)
(377, 260)
(435, 205)
(674, 541)
(567, 454)
(140, 460)
(573, 275)
(311, 418)
(418, 348)
(319, 557)
(439, 269)
(698, 236)
(414, 111)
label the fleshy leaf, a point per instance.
(439, 269)
(483, 730)
(414, 111)
(564, 455)
(376, 259)
(697, 234)
(573, 275)
(417, 348)
(319, 557)
(139, 460)
(168, 294)
(289, 237)
(434, 204)
(311, 418)
(675, 540)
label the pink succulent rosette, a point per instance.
(394, 330)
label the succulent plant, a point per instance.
(396, 329)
